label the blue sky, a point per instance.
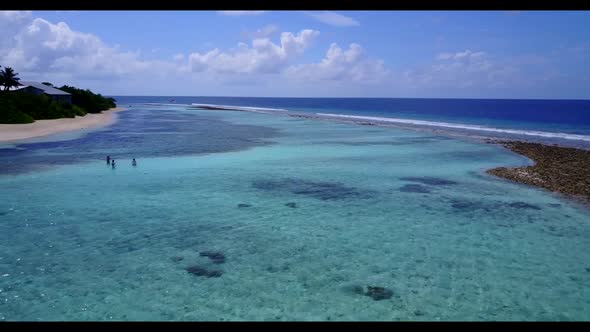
(449, 54)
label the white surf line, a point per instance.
(238, 108)
(462, 126)
(162, 104)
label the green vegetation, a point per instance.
(24, 107)
(92, 103)
(13, 104)
(8, 78)
(10, 114)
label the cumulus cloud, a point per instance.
(352, 64)
(334, 19)
(263, 56)
(39, 46)
(14, 17)
(11, 22)
(241, 12)
(42, 50)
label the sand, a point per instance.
(15, 132)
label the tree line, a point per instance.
(22, 107)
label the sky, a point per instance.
(397, 54)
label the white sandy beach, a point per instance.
(14, 132)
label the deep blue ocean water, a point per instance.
(562, 116)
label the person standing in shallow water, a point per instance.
(134, 163)
(108, 159)
(113, 163)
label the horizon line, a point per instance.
(462, 98)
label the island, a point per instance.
(32, 109)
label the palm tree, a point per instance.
(8, 78)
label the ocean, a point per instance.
(566, 121)
(252, 216)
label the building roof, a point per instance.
(46, 89)
(20, 87)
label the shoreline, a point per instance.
(39, 128)
(563, 170)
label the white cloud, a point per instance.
(444, 56)
(11, 22)
(14, 15)
(262, 57)
(342, 65)
(241, 12)
(39, 47)
(40, 50)
(465, 55)
(263, 32)
(472, 69)
(334, 19)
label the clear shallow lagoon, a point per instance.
(404, 210)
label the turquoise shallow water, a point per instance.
(407, 211)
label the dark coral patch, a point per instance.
(214, 274)
(379, 293)
(216, 256)
(203, 272)
(317, 189)
(176, 258)
(468, 205)
(429, 180)
(490, 206)
(414, 188)
(291, 205)
(523, 205)
(464, 205)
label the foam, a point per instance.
(462, 126)
(238, 108)
(162, 104)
